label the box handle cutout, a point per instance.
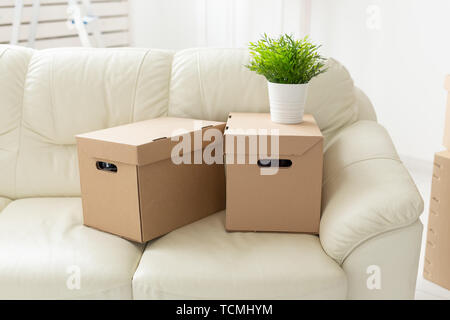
(106, 166)
(270, 163)
(159, 138)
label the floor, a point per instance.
(421, 172)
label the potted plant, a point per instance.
(288, 66)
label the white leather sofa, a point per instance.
(370, 206)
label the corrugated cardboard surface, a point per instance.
(447, 115)
(143, 142)
(437, 255)
(175, 195)
(149, 195)
(293, 139)
(288, 201)
(110, 199)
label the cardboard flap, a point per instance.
(145, 142)
(287, 146)
(254, 133)
(447, 83)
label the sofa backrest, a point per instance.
(210, 83)
(58, 93)
(13, 69)
(48, 96)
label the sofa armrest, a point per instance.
(395, 255)
(366, 189)
(3, 203)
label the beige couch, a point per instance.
(370, 234)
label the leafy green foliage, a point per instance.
(286, 60)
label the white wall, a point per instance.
(398, 51)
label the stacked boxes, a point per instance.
(437, 255)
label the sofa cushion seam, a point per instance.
(339, 171)
(20, 137)
(3, 52)
(202, 93)
(169, 83)
(136, 84)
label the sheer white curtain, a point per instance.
(177, 24)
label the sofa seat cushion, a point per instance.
(204, 261)
(46, 253)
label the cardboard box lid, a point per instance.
(144, 142)
(294, 139)
(447, 83)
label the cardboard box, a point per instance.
(266, 194)
(131, 187)
(437, 252)
(447, 115)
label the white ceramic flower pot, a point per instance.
(287, 102)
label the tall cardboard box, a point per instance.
(447, 115)
(437, 252)
(270, 192)
(131, 187)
